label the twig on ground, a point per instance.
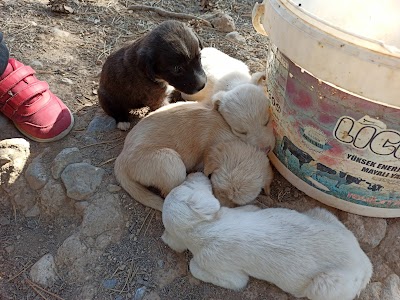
(148, 224)
(100, 143)
(35, 286)
(168, 14)
(145, 219)
(28, 265)
(107, 161)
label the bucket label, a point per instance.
(343, 145)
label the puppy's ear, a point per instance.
(146, 62)
(258, 78)
(216, 99)
(199, 39)
(210, 165)
(204, 205)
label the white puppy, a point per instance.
(238, 172)
(223, 73)
(309, 254)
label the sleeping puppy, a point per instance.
(141, 74)
(309, 254)
(238, 172)
(174, 139)
(223, 73)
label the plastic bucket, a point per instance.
(334, 144)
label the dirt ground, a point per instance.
(68, 50)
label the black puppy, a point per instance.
(142, 73)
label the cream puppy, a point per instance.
(238, 172)
(167, 143)
(223, 73)
(309, 254)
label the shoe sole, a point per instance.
(53, 139)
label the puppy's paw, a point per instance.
(123, 125)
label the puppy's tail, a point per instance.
(335, 285)
(140, 193)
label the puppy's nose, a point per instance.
(201, 87)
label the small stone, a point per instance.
(36, 64)
(67, 81)
(152, 296)
(112, 188)
(64, 158)
(101, 123)
(94, 92)
(33, 212)
(9, 249)
(160, 263)
(4, 221)
(57, 32)
(81, 180)
(13, 156)
(139, 293)
(110, 283)
(43, 271)
(236, 37)
(53, 198)
(36, 173)
(222, 22)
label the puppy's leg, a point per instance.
(174, 243)
(115, 108)
(225, 279)
(334, 285)
(161, 168)
(268, 177)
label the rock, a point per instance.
(103, 218)
(81, 180)
(101, 123)
(368, 231)
(36, 173)
(371, 292)
(388, 290)
(53, 199)
(391, 288)
(24, 197)
(112, 188)
(139, 293)
(222, 22)
(75, 260)
(44, 271)
(236, 37)
(13, 156)
(389, 248)
(33, 212)
(64, 158)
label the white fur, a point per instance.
(309, 254)
(223, 73)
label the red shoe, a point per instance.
(35, 110)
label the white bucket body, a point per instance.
(337, 147)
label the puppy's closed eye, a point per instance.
(239, 132)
